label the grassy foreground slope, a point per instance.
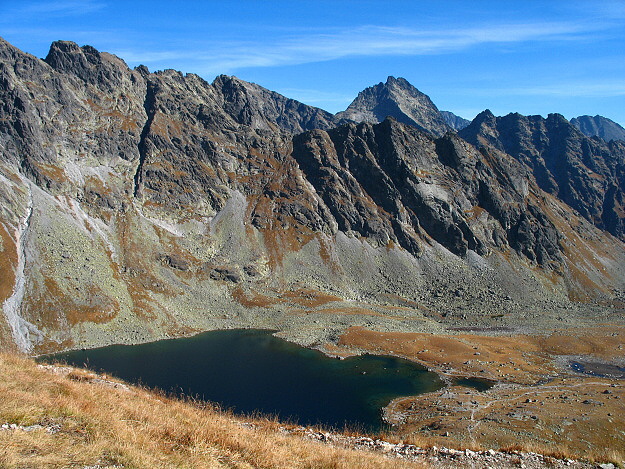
(73, 418)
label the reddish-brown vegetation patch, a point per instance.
(542, 406)
(521, 359)
(251, 298)
(347, 310)
(484, 356)
(8, 264)
(52, 346)
(604, 342)
(53, 303)
(52, 172)
(309, 298)
(280, 241)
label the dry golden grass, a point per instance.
(520, 359)
(570, 418)
(541, 406)
(106, 426)
(252, 298)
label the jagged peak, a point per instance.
(235, 83)
(60, 49)
(454, 121)
(143, 70)
(485, 114)
(251, 104)
(87, 63)
(486, 117)
(170, 72)
(65, 46)
(386, 89)
(400, 82)
(599, 126)
(223, 79)
(233, 80)
(67, 53)
(391, 80)
(556, 117)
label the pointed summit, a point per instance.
(484, 116)
(396, 98)
(67, 56)
(88, 64)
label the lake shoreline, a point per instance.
(252, 371)
(523, 363)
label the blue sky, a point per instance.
(532, 57)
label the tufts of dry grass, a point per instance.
(87, 421)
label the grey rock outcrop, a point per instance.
(599, 126)
(587, 174)
(391, 182)
(454, 121)
(257, 107)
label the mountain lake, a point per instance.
(250, 371)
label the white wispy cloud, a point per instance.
(593, 89)
(228, 56)
(376, 40)
(57, 8)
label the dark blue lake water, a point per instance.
(251, 371)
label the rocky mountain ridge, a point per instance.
(599, 126)
(140, 205)
(585, 173)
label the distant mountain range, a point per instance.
(454, 121)
(139, 205)
(599, 126)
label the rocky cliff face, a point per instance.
(140, 205)
(400, 100)
(587, 174)
(391, 182)
(599, 126)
